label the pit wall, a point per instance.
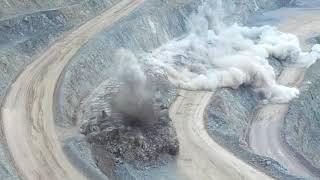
(151, 25)
(229, 115)
(10, 8)
(302, 124)
(30, 26)
(25, 35)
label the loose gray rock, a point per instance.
(302, 123)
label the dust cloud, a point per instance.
(215, 55)
(134, 100)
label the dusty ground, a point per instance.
(265, 136)
(200, 157)
(28, 121)
(27, 113)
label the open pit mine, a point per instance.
(159, 89)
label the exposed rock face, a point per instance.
(228, 119)
(23, 36)
(26, 28)
(82, 7)
(229, 116)
(152, 25)
(138, 129)
(87, 89)
(131, 143)
(144, 30)
(302, 124)
(230, 112)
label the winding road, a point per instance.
(265, 135)
(27, 113)
(200, 157)
(28, 121)
(28, 118)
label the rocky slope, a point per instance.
(28, 27)
(23, 36)
(302, 125)
(74, 9)
(155, 23)
(87, 85)
(229, 117)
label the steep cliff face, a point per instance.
(302, 124)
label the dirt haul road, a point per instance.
(265, 135)
(199, 156)
(27, 113)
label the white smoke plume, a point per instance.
(214, 55)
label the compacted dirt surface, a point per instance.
(265, 135)
(200, 157)
(27, 113)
